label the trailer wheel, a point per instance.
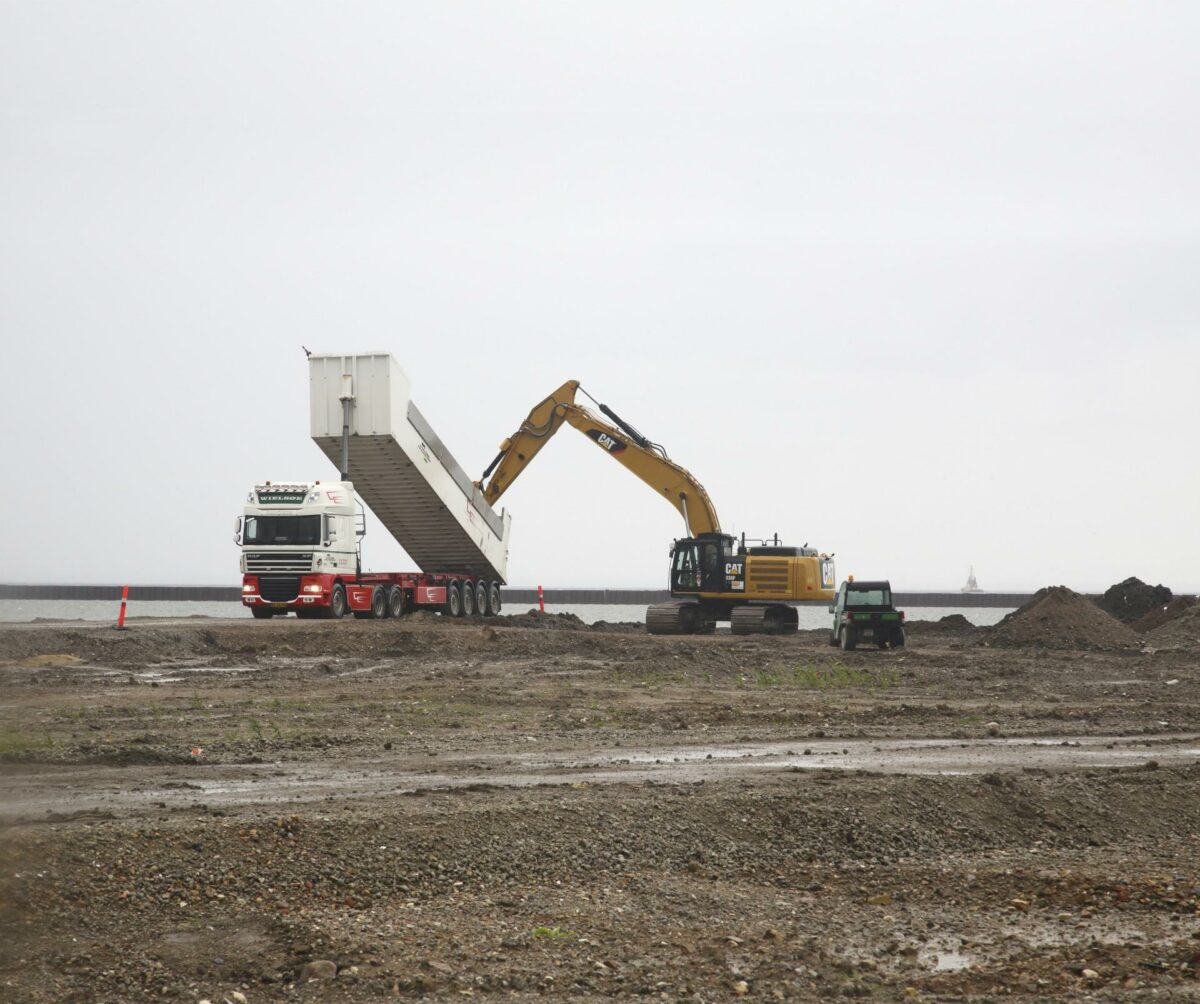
(262, 613)
(378, 604)
(453, 607)
(493, 607)
(337, 602)
(481, 598)
(468, 598)
(395, 602)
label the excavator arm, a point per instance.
(619, 440)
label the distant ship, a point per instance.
(972, 586)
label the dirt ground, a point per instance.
(528, 809)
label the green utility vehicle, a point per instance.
(863, 611)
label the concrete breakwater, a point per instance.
(513, 596)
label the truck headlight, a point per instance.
(247, 588)
(312, 587)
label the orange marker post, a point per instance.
(541, 601)
(121, 615)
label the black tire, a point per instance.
(337, 602)
(309, 613)
(468, 598)
(494, 599)
(833, 639)
(882, 643)
(453, 605)
(262, 613)
(378, 603)
(395, 602)
(849, 639)
(481, 598)
(898, 641)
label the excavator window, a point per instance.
(712, 569)
(686, 573)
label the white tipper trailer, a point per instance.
(300, 540)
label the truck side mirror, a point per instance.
(237, 530)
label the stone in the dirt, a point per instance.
(321, 969)
(741, 988)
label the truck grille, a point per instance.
(279, 588)
(278, 561)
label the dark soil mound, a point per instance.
(1183, 630)
(619, 627)
(541, 621)
(950, 624)
(1058, 617)
(1159, 616)
(1131, 600)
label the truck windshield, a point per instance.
(282, 530)
(868, 598)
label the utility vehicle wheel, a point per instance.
(337, 602)
(849, 639)
(494, 598)
(453, 607)
(834, 639)
(395, 602)
(898, 641)
(262, 613)
(882, 643)
(481, 598)
(468, 598)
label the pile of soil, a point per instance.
(1159, 616)
(1131, 600)
(950, 624)
(1058, 617)
(545, 622)
(1183, 630)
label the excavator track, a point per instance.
(677, 618)
(775, 619)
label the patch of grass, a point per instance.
(554, 933)
(806, 676)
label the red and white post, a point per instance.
(121, 615)
(541, 601)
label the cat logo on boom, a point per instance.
(610, 443)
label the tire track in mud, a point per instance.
(56, 793)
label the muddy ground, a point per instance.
(370, 811)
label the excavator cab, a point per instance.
(698, 564)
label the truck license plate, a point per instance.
(279, 606)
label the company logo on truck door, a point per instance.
(610, 443)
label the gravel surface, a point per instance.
(1070, 879)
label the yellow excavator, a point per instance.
(714, 576)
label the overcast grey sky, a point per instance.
(913, 282)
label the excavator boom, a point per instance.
(620, 441)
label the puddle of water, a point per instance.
(950, 961)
